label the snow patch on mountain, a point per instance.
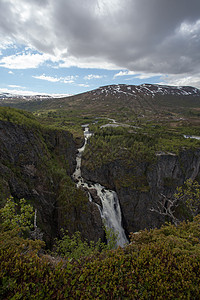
(146, 89)
(7, 96)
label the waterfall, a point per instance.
(110, 210)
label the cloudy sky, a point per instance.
(71, 46)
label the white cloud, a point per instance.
(29, 93)
(136, 75)
(93, 76)
(148, 37)
(147, 75)
(124, 73)
(83, 85)
(89, 63)
(25, 60)
(182, 80)
(18, 92)
(47, 78)
(10, 72)
(5, 44)
(67, 79)
(16, 86)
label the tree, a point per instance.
(75, 247)
(16, 216)
(188, 195)
(166, 207)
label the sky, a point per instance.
(65, 47)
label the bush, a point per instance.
(75, 247)
(17, 216)
(157, 264)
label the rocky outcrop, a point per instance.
(36, 164)
(139, 185)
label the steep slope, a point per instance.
(36, 164)
(141, 185)
(142, 168)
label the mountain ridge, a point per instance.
(145, 88)
(149, 89)
(127, 102)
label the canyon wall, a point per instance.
(140, 185)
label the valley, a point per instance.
(138, 149)
(99, 162)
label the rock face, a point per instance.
(36, 164)
(139, 186)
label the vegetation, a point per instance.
(186, 196)
(74, 247)
(19, 117)
(36, 163)
(17, 216)
(157, 263)
(66, 120)
(133, 144)
(189, 193)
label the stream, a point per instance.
(192, 137)
(110, 210)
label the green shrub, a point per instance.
(75, 247)
(17, 215)
(157, 264)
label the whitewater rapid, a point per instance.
(110, 210)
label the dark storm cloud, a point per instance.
(140, 35)
(7, 19)
(153, 36)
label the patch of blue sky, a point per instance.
(46, 76)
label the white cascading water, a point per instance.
(110, 210)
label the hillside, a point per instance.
(36, 164)
(143, 99)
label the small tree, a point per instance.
(16, 216)
(188, 194)
(74, 246)
(111, 238)
(166, 207)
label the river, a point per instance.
(110, 210)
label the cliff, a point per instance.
(36, 164)
(139, 185)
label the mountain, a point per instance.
(141, 100)
(6, 96)
(146, 90)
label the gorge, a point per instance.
(131, 162)
(109, 207)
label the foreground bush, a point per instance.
(158, 264)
